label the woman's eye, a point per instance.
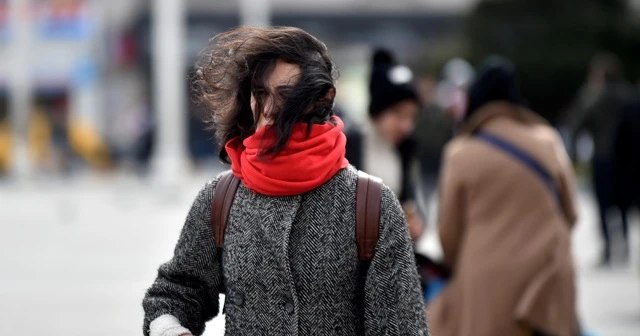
(284, 94)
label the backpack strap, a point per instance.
(368, 202)
(221, 202)
(527, 160)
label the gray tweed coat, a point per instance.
(291, 267)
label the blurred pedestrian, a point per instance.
(505, 219)
(626, 164)
(383, 146)
(434, 128)
(289, 264)
(598, 112)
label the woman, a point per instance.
(383, 146)
(505, 231)
(290, 264)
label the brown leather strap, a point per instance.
(368, 202)
(221, 202)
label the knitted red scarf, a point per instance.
(303, 165)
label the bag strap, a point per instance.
(526, 159)
(368, 202)
(221, 202)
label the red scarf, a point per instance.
(303, 165)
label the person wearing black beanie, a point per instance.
(496, 81)
(391, 84)
(383, 146)
(506, 210)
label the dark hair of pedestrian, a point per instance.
(238, 63)
(496, 81)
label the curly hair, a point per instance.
(238, 62)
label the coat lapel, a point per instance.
(277, 217)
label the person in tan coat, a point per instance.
(505, 233)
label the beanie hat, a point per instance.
(390, 83)
(496, 81)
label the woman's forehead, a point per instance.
(284, 74)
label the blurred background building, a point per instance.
(81, 72)
(87, 67)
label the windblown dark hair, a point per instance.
(239, 61)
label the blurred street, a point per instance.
(78, 255)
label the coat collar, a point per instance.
(499, 109)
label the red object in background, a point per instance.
(4, 15)
(126, 49)
(4, 11)
(66, 9)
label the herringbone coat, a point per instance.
(291, 267)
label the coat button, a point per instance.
(239, 300)
(289, 307)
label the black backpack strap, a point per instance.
(223, 196)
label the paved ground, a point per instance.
(77, 257)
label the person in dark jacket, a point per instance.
(598, 111)
(290, 263)
(626, 162)
(383, 145)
